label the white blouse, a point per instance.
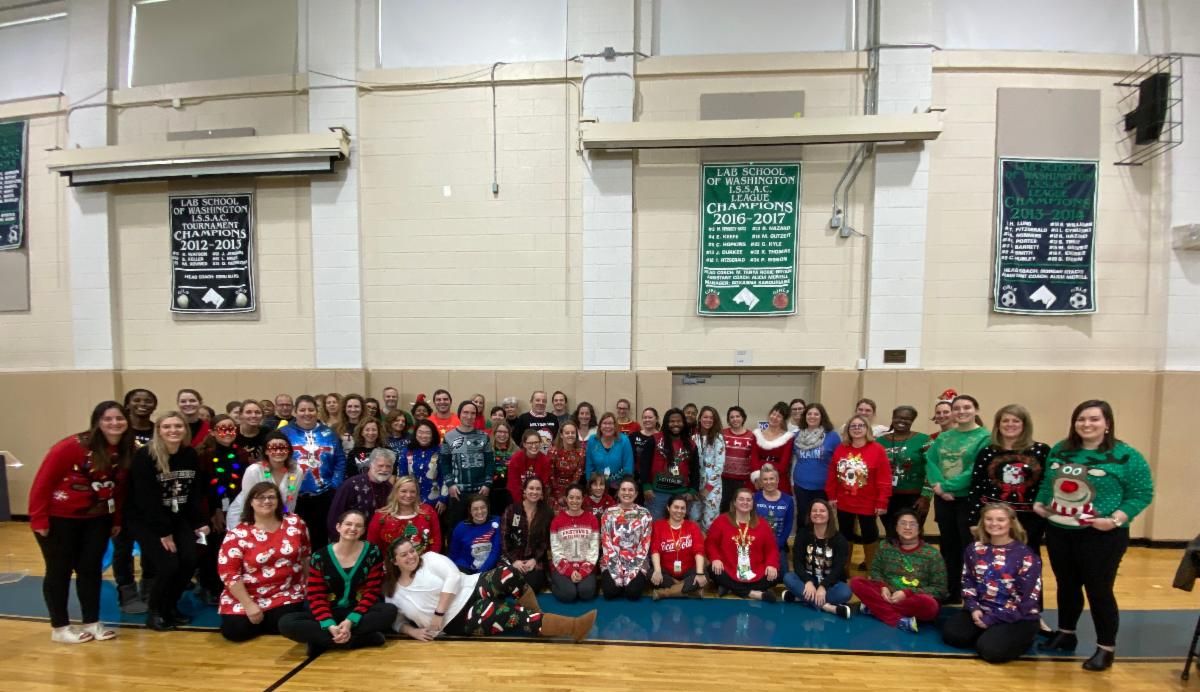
(437, 575)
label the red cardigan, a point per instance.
(520, 466)
(723, 541)
(66, 486)
(860, 478)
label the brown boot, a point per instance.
(870, 549)
(560, 626)
(673, 591)
(528, 601)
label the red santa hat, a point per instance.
(947, 396)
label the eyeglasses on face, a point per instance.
(279, 448)
(267, 499)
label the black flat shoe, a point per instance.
(177, 618)
(158, 623)
(1101, 660)
(1061, 641)
(1047, 634)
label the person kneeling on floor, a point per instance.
(1002, 581)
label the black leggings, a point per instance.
(729, 487)
(742, 588)
(300, 625)
(238, 628)
(896, 503)
(633, 590)
(174, 569)
(314, 510)
(74, 545)
(1087, 560)
(868, 528)
(122, 560)
(999, 643)
(955, 533)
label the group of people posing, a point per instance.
(331, 519)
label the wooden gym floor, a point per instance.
(142, 660)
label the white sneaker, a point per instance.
(70, 635)
(98, 631)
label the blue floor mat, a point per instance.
(720, 622)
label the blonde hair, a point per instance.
(866, 424)
(1015, 530)
(158, 447)
(393, 502)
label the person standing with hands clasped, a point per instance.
(860, 483)
(1094, 486)
(166, 513)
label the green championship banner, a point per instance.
(749, 227)
(1045, 237)
(12, 185)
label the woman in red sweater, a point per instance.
(738, 444)
(528, 462)
(860, 484)
(773, 446)
(74, 508)
(677, 554)
(405, 516)
(742, 552)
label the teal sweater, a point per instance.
(951, 459)
(1082, 484)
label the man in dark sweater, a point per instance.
(537, 419)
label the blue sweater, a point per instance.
(810, 467)
(780, 514)
(618, 461)
(476, 547)
(320, 452)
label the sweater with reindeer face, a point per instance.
(1085, 484)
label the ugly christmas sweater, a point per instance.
(69, 486)
(907, 461)
(625, 542)
(470, 460)
(1009, 476)
(1003, 581)
(1082, 484)
(860, 480)
(332, 586)
(475, 547)
(574, 543)
(919, 569)
(319, 451)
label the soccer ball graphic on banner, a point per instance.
(1078, 300)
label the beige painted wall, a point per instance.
(41, 338)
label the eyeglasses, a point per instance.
(226, 428)
(856, 426)
(907, 525)
(267, 499)
(279, 448)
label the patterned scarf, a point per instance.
(807, 439)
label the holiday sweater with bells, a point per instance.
(919, 569)
(574, 543)
(821, 561)
(1009, 476)
(1082, 484)
(270, 564)
(625, 542)
(520, 539)
(676, 548)
(1002, 581)
(860, 479)
(423, 529)
(745, 550)
(69, 486)
(161, 502)
(330, 585)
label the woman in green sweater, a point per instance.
(1095, 484)
(948, 467)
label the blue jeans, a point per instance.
(834, 595)
(658, 505)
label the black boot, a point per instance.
(156, 622)
(175, 617)
(1061, 641)
(131, 602)
(1101, 660)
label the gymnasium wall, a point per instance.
(478, 292)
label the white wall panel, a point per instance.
(1085, 26)
(32, 59)
(696, 27)
(425, 33)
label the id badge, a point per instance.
(516, 520)
(678, 568)
(225, 504)
(112, 506)
(743, 566)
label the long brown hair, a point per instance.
(97, 444)
(1021, 413)
(391, 572)
(261, 489)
